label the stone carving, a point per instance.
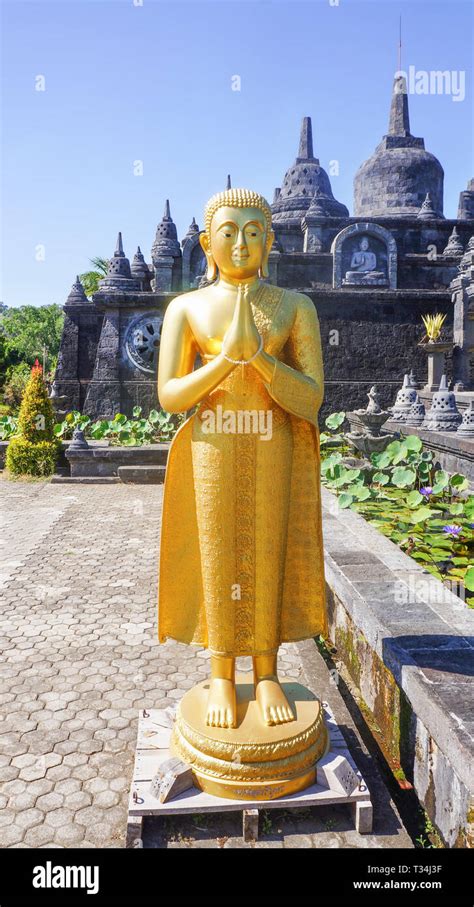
(142, 342)
(78, 440)
(140, 270)
(427, 212)
(119, 276)
(406, 397)
(416, 413)
(363, 268)
(454, 246)
(366, 254)
(466, 428)
(444, 414)
(372, 439)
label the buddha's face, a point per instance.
(238, 241)
(364, 244)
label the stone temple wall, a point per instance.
(378, 327)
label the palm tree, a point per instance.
(90, 279)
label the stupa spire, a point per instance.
(167, 212)
(399, 122)
(305, 151)
(229, 183)
(119, 247)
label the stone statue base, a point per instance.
(252, 761)
(365, 279)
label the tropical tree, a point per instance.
(90, 279)
(27, 330)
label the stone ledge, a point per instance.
(408, 643)
(106, 460)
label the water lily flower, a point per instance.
(427, 490)
(452, 530)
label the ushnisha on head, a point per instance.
(238, 235)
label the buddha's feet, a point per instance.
(221, 704)
(274, 706)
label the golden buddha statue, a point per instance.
(241, 564)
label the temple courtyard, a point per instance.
(78, 584)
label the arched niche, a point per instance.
(381, 251)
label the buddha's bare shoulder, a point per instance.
(298, 302)
(181, 305)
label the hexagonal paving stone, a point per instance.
(106, 799)
(68, 786)
(29, 817)
(23, 801)
(39, 836)
(58, 772)
(50, 801)
(89, 816)
(84, 772)
(59, 817)
(70, 835)
(74, 759)
(12, 835)
(95, 785)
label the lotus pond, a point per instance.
(426, 511)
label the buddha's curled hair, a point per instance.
(237, 198)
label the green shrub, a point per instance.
(33, 458)
(16, 379)
(36, 416)
(34, 451)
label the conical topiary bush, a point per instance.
(34, 450)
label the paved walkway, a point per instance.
(80, 657)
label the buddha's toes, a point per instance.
(274, 706)
(221, 705)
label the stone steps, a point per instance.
(142, 475)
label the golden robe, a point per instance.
(241, 559)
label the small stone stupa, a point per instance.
(466, 428)
(405, 398)
(427, 212)
(416, 413)
(119, 275)
(454, 246)
(444, 414)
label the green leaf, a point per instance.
(154, 416)
(459, 482)
(380, 478)
(422, 513)
(345, 500)
(469, 507)
(381, 460)
(360, 491)
(457, 508)
(413, 442)
(330, 462)
(335, 420)
(401, 454)
(414, 498)
(469, 578)
(120, 418)
(402, 477)
(441, 479)
(137, 411)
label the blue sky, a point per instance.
(152, 83)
